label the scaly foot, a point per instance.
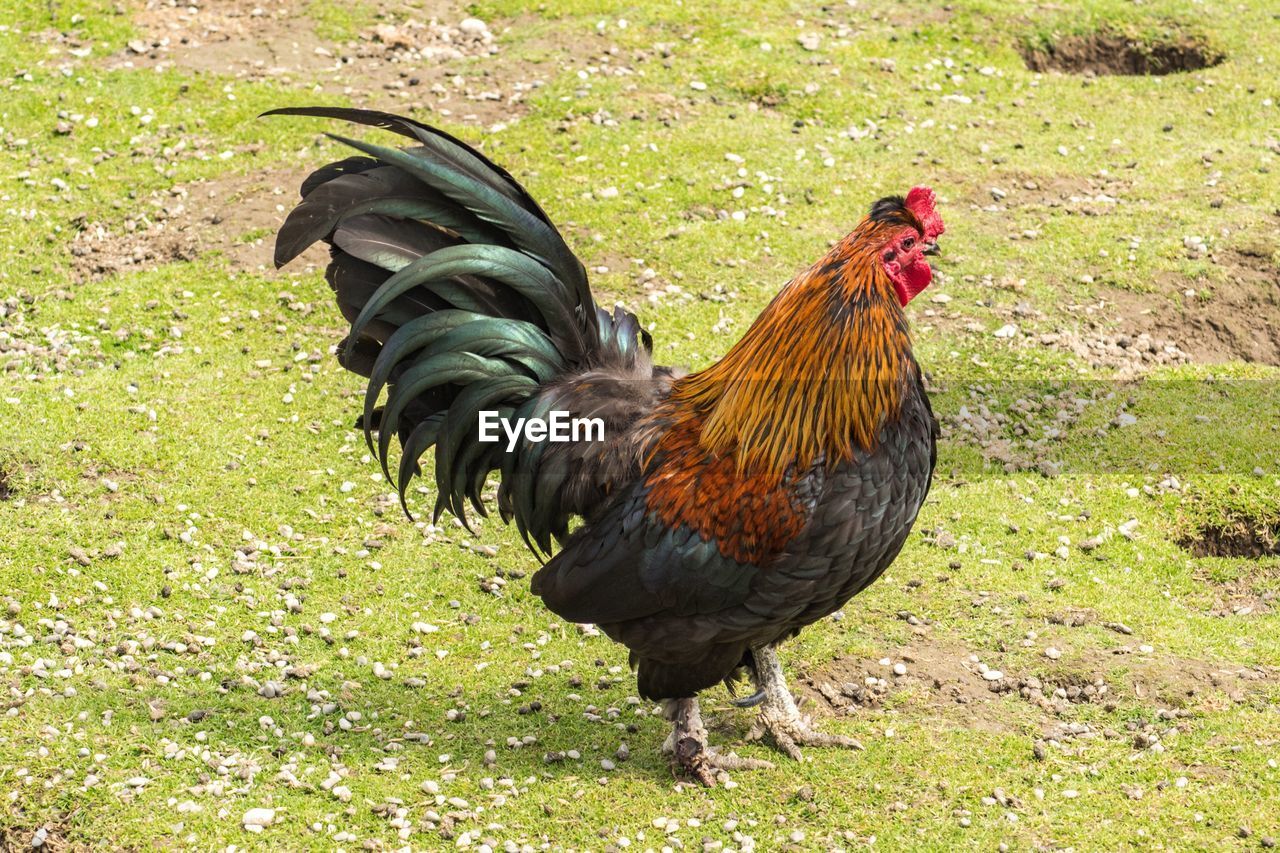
(688, 745)
(779, 716)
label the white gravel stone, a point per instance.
(258, 818)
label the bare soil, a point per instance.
(1253, 592)
(410, 60)
(1239, 319)
(236, 215)
(1109, 52)
(944, 680)
(940, 673)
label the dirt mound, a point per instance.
(1238, 320)
(1110, 52)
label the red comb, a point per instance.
(920, 202)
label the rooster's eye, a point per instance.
(909, 242)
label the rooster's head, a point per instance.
(906, 230)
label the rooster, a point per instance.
(725, 509)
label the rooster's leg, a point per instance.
(779, 716)
(688, 744)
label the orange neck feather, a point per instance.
(817, 374)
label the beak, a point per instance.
(932, 249)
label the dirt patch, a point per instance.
(418, 60)
(949, 680)
(257, 40)
(1111, 52)
(1238, 319)
(236, 215)
(1168, 681)
(1092, 195)
(944, 673)
(1253, 590)
(242, 39)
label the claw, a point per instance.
(748, 701)
(791, 733)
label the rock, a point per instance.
(258, 818)
(1008, 330)
(391, 36)
(1089, 544)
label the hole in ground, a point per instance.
(1111, 52)
(1248, 538)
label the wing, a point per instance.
(689, 538)
(629, 564)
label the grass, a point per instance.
(188, 413)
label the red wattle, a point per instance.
(910, 281)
